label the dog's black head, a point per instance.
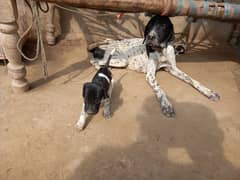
(93, 95)
(158, 32)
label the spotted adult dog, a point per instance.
(148, 55)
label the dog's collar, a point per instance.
(104, 76)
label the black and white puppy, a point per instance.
(97, 91)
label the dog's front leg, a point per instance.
(172, 68)
(197, 85)
(107, 108)
(166, 106)
(82, 119)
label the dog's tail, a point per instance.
(110, 57)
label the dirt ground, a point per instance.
(39, 141)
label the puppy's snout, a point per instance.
(91, 109)
(90, 112)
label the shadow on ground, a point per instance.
(78, 66)
(187, 147)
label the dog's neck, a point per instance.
(104, 76)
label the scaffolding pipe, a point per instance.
(202, 9)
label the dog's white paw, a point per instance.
(168, 111)
(79, 126)
(214, 96)
(166, 107)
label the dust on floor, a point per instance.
(39, 141)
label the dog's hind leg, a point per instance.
(197, 85)
(82, 119)
(107, 102)
(166, 106)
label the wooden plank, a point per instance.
(8, 12)
(194, 8)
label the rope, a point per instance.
(73, 10)
(40, 51)
(77, 11)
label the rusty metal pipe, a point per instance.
(195, 8)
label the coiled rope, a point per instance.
(40, 51)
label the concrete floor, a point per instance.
(39, 141)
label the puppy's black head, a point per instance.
(93, 95)
(158, 32)
(98, 53)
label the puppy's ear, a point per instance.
(84, 89)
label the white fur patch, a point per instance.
(104, 76)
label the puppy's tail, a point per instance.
(110, 57)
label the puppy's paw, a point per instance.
(214, 96)
(79, 126)
(166, 107)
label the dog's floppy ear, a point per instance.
(148, 27)
(171, 36)
(145, 35)
(144, 40)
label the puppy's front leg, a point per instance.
(82, 119)
(107, 102)
(166, 106)
(107, 108)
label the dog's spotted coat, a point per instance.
(131, 53)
